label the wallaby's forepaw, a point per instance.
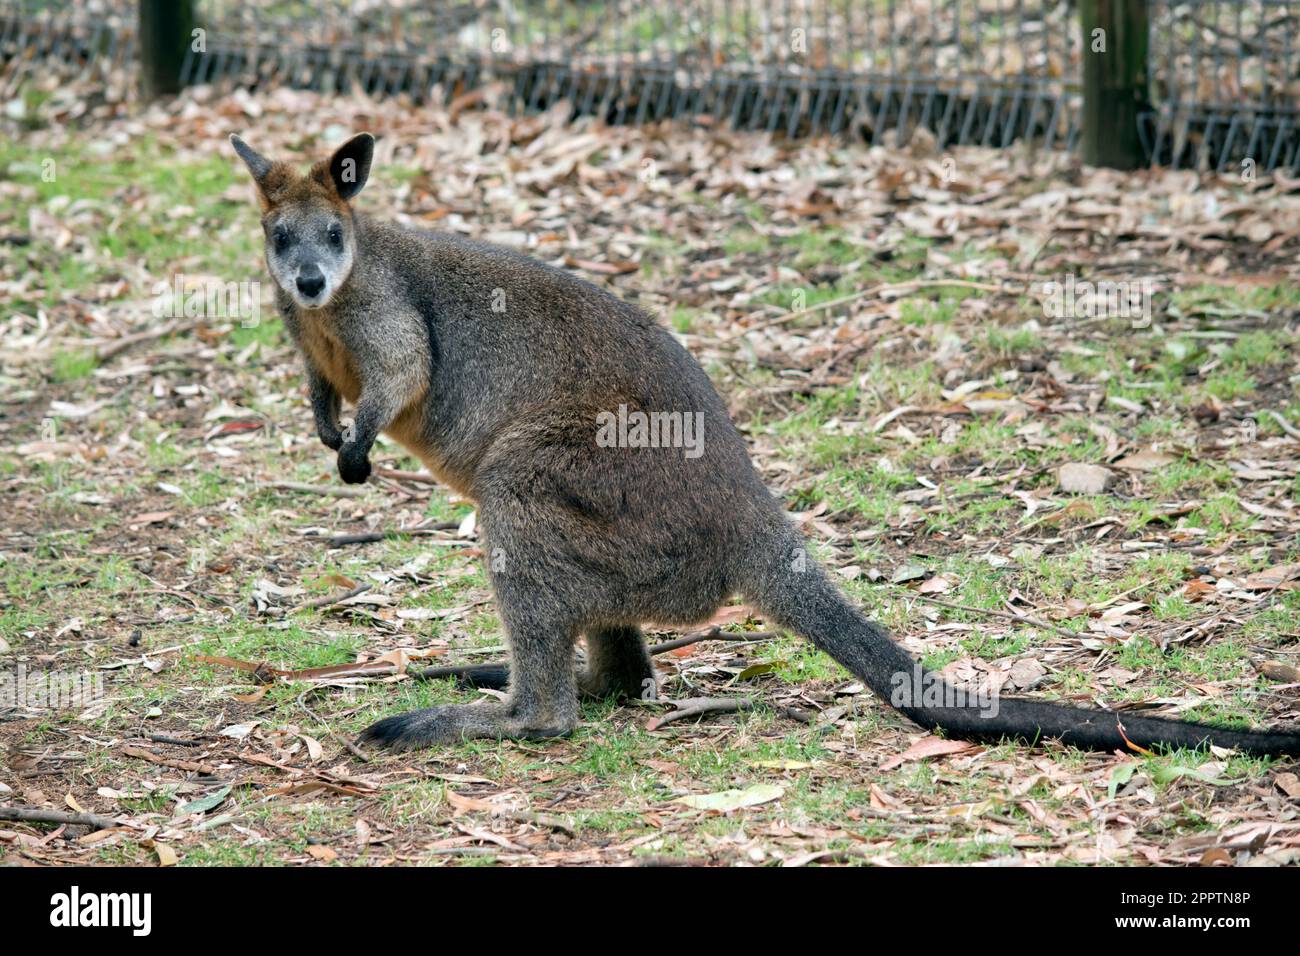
(331, 438)
(354, 464)
(451, 724)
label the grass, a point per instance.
(69, 366)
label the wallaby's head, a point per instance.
(307, 221)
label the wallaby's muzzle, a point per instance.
(310, 282)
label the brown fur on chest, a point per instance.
(329, 355)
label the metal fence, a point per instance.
(1224, 83)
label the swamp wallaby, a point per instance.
(612, 488)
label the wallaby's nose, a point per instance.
(310, 282)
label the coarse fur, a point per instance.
(495, 370)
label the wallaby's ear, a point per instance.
(350, 165)
(257, 164)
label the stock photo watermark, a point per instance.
(43, 691)
(75, 909)
(203, 297)
(638, 429)
(1074, 298)
(920, 688)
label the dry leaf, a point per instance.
(929, 747)
(1145, 460)
(729, 800)
(166, 855)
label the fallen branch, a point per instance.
(422, 477)
(371, 537)
(33, 815)
(667, 861)
(329, 599)
(329, 491)
(1005, 615)
(139, 753)
(543, 820)
(118, 346)
(493, 676)
(1282, 423)
(698, 706)
(347, 745)
(714, 633)
(365, 537)
(798, 714)
(263, 673)
(878, 290)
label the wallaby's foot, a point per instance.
(455, 723)
(618, 664)
(354, 463)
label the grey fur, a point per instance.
(495, 369)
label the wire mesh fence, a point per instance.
(1224, 84)
(44, 43)
(970, 71)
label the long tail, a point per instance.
(796, 594)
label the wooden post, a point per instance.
(165, 35)
(1114, 80)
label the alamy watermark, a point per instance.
(197, 297)
(638, 429)
(21, 689)
(1075, 298)
(74, 909)
(921, 688)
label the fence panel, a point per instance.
(1223, 79)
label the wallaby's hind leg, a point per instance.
(543, 699)
(617, 663)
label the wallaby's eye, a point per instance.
(336, 237)
(280, 238)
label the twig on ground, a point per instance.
(667, 861)
(365, 537)
(697, 706)
(192, 766)
(34, 815)
(1006, 615)
(714, 633)
(1282, 423)
(370, 537)
(328, 491)
(492, 676)
(118, 346)
(878, 290)
(346, 744)
(544, 820)
(496, 675)
(329, 599)
(423, 477)
(798, 714)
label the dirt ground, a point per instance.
(883, 325)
